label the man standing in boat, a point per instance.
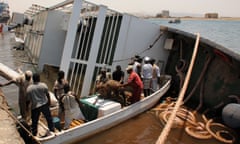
(147, 76)
(118, 74)
(23, 81)
(155, 75)
(58, 89)
(137, 65)
(135, 82)
(59, 84)
(71, 106)
(38, 96)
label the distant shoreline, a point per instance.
(199, 18)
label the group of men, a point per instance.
(141, 77)
(34, 95)
(69, 103)
(149, 72)
(133, 81)
(34, 92)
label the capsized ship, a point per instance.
(80, 38)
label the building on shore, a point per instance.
(165, 14)
(211, 15)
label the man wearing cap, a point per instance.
(147, 71)
(23, 81)
(137, 65)
(135, 82)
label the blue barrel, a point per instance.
(56, 122)
(231, 115)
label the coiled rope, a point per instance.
(218, 135)
(163, 136)
(205, 129)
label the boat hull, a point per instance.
(90, 128)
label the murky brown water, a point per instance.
(142, 129)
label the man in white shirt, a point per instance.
(147, 76)
(155, 75)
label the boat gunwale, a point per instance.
(119, 113)
(212, 44)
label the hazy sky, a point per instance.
(222, 7)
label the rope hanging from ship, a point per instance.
(205, 129)
(202, 74)
(181, 68)
(149, 47)
(167, 127)
(184, 117)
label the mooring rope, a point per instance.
(163, 136)
(17, 121)
(207, 62)
(201, 130)
(149, 47)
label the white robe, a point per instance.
(72, 109)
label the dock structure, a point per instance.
(9, 94)
(9, 132)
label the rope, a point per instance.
(167, 128)
(16, 120)
(200, 97)
(149, 47)
(181, 50)
(199, 79)
(180, 73)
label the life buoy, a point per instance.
(231, 115)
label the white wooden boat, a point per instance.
(102, 123)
